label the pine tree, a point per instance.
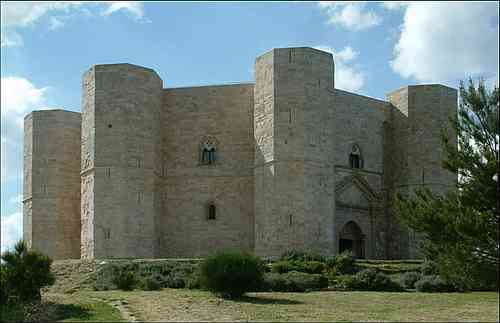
(460, 230)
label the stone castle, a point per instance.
(287, 162)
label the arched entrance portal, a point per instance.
(352, 238)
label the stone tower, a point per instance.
(51, 201)
(293, 176)
(121, 161)
(414, 151)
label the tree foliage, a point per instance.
(23, 273)
(461, 228)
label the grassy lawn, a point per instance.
(63, 308)
(195, 305)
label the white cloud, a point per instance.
(447, 41)
(55, 23)
(350, 15)
(11, 229)
(135, 9)
(23, 14)
(19, 97)
(347, 77)
(10, 38)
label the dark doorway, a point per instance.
(352, 238)
(345, 244)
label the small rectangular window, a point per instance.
(211, 212)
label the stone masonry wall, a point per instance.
(281, 178)
(415, 156)
(121, 165)
(223, 115)
(291, 105)
(51, 201)
(359, 121)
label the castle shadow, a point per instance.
(56, 311)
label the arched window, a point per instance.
(355, 158)
(211, 212)
(208, 152)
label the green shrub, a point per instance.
(294, 281)
(126, 280)
(194, 281)
(149, 283)
(231, 274)
(23, 273)
(433, 283)
(304, 282)
(409, 279)
(281, 267)
(344, 263)
(296, 255)
(310, 267)
(276, 282)
(175, 281)
(429, 268)
(315, 267)
(370, 280)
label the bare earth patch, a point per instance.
(194, 305)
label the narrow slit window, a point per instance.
(211, 212)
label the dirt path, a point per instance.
(124, 308)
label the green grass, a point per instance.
(95, 312)
(58, 309)
(195, 305)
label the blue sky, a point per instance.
(377, 47)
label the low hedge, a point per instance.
(310, 267)
(369, 280)
(409, 279)
(165, 273)
(433, 283)
(294, 281)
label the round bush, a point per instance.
(231, 274)
(433, 283)
(429, 268)
(409, 279)
(344, 263)
(370, 280)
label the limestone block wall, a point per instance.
(414, 151)
(51, 199)
(222, 115)
(291, 163)
(359, 121)
(121, 161)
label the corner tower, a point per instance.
(120, 162)
(293, 174)
(51, 197)
(414, 151)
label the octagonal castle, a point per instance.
(287, 162)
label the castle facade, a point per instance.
(287, 162)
